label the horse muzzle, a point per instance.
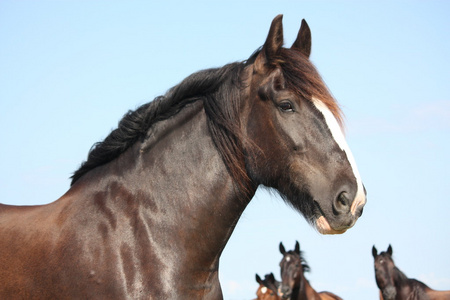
(344, 214)
(284, 292)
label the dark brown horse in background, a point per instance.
(394, 285)
(294, 284)
(151, 210)
(268, 287)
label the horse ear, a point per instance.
(303, 41)
(389, 250)
(374, 251)
(282, 250)
(258, 279)
(297, 247)
(273, 44)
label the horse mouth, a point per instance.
(322, 224)
(324, 227)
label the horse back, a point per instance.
(438, 295)
(328, 296)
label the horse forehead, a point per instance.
(331, 121)
(385, 255)
(289, 258)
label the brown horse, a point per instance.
(151, 210)
(394, 285)
(268, 288)
(294, 285)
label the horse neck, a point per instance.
(311, 293)
(398, 281)
(399, 277)
(302, 290)
(183, 192)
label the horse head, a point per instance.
(294, 140)
(384, 269)
(268, 288)
(292, 268)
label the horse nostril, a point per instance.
(342, 203)
(361, 212)
(343, 198)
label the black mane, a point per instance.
(305, 265)
(211, 85)
(219, 89)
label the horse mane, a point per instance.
(399, 276)
(418, 288)
(219, 89)
(210, 85)
(305, 266)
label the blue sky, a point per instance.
(70, 69)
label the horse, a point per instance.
(294, 285)
(149, 212)
(395, 285)
(268, 288)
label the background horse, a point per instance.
(268, 288)
(294, 285)
(151, 210)
(394, 285)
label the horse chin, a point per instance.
(324, 227)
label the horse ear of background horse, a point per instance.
(297, 247)
(282, 249)
(375, 251)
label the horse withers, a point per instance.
(395, 285)
(150, 211)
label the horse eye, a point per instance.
(286, 106)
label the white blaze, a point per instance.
(338, 136)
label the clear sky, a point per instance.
(69, 70)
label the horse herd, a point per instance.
(393, 283)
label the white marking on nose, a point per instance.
(339, 137)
